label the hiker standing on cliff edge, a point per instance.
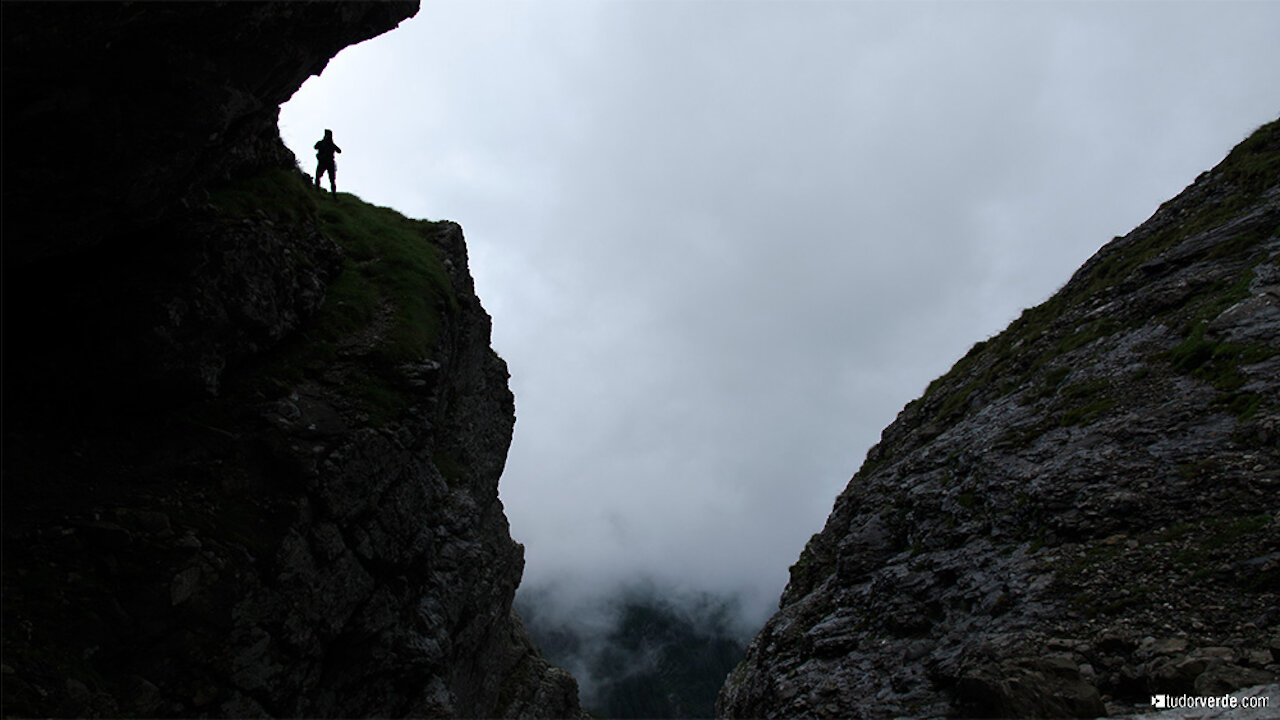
(325, 161)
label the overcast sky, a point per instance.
(723, 243)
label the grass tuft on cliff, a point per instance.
(391, 260)
(388, 304)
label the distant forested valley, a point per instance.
(640, 653)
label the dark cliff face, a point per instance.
(115, 111)
(253, 433)
(118, 117)
(1082, 513)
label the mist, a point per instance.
(639, 649)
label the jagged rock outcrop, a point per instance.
(1082, 513)
(252, 436)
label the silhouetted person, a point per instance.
(325, 161)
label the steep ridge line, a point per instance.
(1082, 513)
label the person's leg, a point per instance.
(333, 179)
(319, 170)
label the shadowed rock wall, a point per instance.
(114, 111)
(227, 493)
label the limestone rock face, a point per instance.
(237, 482)
(275, 551)
(1082, 513)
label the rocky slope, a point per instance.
(253, 434)
(1082, 513)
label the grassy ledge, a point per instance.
(388, 304)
